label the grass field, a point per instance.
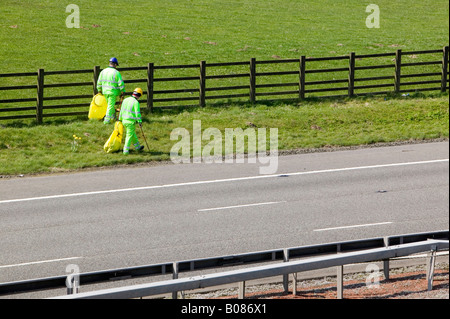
(34, 35)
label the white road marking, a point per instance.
(353, 226)
(218, 181)
(238, 206)
(40, 262)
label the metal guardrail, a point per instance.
(211, 280)
(175, 268)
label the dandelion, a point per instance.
(75, 143)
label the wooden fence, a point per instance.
(296, 80)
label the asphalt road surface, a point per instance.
(113, 218)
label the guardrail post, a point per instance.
(175, 271)
(202, 83)
(339, 278)
(96, 74)
(386, 261)
(351, 74)
(398, 66)
(150, 77)
(301, 91)
(40, 95)
(444, 69)
(286, 277)
(241, 293)
(340, 282)
(294, 284)
(74, 286)
(431, 259)
(252, 80)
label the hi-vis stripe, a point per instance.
(129, 111)
(107, 79)
(113, 87)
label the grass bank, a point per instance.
(34, 34)
(30, 148)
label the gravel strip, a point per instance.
(404, 283)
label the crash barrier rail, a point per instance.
(176, 268)
(255, 84)
(293, 267)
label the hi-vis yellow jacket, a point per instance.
(110, 82)
(130, 112)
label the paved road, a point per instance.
(142, 215)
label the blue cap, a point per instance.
(114, 60)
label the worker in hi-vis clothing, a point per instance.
(111, 85)
(130, 114)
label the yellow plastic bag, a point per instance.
(97, 111)
(114, 143)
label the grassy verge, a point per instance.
(30, 148)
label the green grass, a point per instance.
(33, 35)
(188, 31)
(26, 149)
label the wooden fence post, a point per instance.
(150, 76)
(202, 83)
(444, 70)
(351, 74)
(398, 66)
(96, 74)
(301, 91)
(252, 80)
(40, 95)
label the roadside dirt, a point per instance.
(404, 283)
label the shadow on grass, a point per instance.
(296, 102)
(224, 104)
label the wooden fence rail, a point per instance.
(255, 84)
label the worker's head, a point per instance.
(137, 93)
(113, 62)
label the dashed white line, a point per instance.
(239, 206)
(353, 226)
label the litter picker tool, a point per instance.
(142, 131)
